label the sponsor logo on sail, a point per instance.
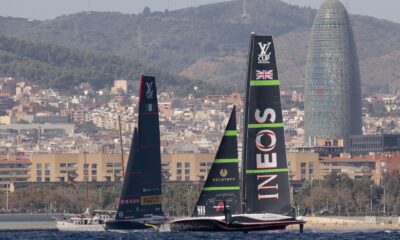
(264, 74)
(150, 189)
(149, 107)
(149, 90)
(219, 207)
(150, 200)
(264, 56)
(266, 158)
(129, 201)
(201, 210)
(223, 172)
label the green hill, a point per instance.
(61, 68)
(210, 42)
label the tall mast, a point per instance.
(122, 147)
(243, 165)
(87, 180)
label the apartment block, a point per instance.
(13, 170)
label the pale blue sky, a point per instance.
(48, 9)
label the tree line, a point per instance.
(334, 195)
(340, 195)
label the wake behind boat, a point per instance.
(265, 198)
(140, 201)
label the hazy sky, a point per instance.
(48, 9)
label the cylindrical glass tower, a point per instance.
(332, 90)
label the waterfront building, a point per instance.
(186, 166)
(13, 169)
(366, 144)
(332, 89)
(108, 167)
(311, 166)
(76, 167)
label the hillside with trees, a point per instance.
(210, 42)
(52, 66)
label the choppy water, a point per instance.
(39, 235)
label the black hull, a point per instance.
(212, 225)
(126, 225)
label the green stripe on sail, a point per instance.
(230, 133)
(264, 83)
(221, 188)
(265, 125)
(226, 160)
(276, 170)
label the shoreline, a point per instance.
(43, 222)
(348, 224)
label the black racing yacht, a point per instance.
(262, 200)
(140, 201)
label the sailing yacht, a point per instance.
(265, 194)
(140, 200)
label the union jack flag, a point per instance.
(264, 74)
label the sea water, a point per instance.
(39, 235)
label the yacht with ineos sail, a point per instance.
(264, 202)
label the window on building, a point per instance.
(94, 172)
(47, 166)
(303, 171)
(47, 172)
(187, 164)
(38, 172)
(179, 178)
(86, 166)
(178, 164)
(187, 171)
(311, 169)
(94, 165)
(187, 178)
(38, 179)
(70, 164)
(110, 164)
(38, 166)
(203, 164)
(63, 165)
(94, 178)
(47, 179)
(178, 171)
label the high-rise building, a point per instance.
(332, 89)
